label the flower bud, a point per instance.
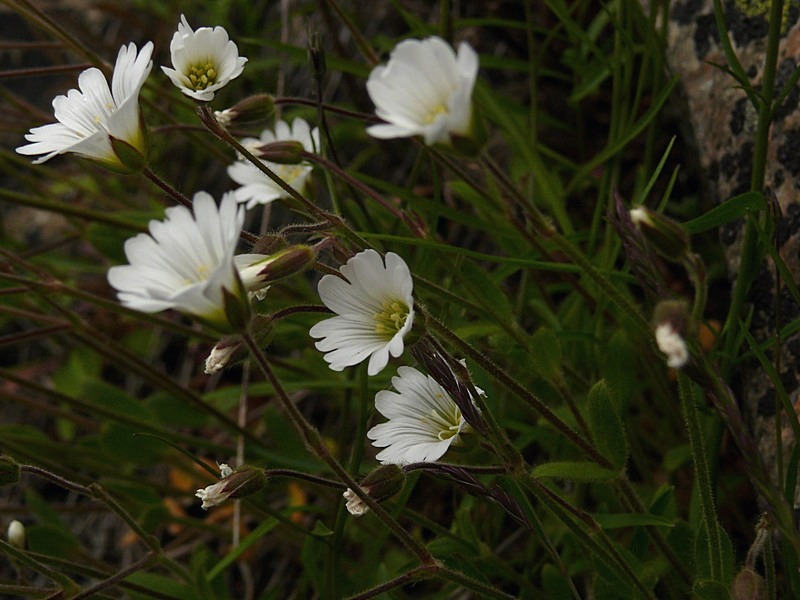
(284, 152)
(9, 470)
(671, 319)
(383, 483)
(748, 585)
(317, 55)
(257, 271)
(235, 484)
(16, 534)
(252, 108)
(222, 354)
(666, 236)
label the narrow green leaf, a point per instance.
(606, 424)
(547, 348)
(616, 521)
(728, 211)
(587, 472)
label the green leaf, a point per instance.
(547, 348)
(618, 520)
(709, 590)
(259, 532)
(606, 424)
(728, 211)
(485, 291)
(587, 472)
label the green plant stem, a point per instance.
(317, 445)
(702, 476)
(415, 574)
(67, 585)
(750, 255)
(47, 24)
(210, 121)
(70, 210)
(185, 201)
(595, 539)
(332, 108)
(142, 564)
(514, 387)
(97, 492)
(361, 42)
(628, 492)
(366, 190)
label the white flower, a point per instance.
(205, 60)
(424, 90)
(354, 505)
(671, 343)
(216, 494)
(424, 421)
(374, 307)
(256, 188)
(186, 262)
(89, 117)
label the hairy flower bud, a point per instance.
(748, 585)
(666, 236)
(252, 108)
(284, 152)
(235, 484)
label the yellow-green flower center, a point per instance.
(290, 173)
(201, 76)
(392, 318)
(432, 115)
(446, 421)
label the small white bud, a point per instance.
(16, 534)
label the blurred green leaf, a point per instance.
(584, 472)
(606, 424)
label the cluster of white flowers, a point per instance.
(188, 262)
(374, 310)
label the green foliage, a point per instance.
(588, 468)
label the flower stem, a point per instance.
(316, 444)
(702, 476)
(514, 387)
(366, 190)
(210, 121)
(185, 201)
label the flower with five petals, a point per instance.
(96, 122)
(425, 89)
(204, 61)
(424, 421)
(187, 263)
(374, 311)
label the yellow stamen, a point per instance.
(439, 109)
(392, 318)
(201, 76)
